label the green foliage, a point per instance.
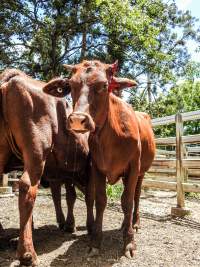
(192, 70)
(39, 36)
(184, 97)
(192, 195)
(114, 192)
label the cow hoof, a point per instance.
(90, 230)
(29, 260)
(122, 227)
(61, 226)
(69, 228)
(129, 250)
(136, 227)
(14, 242)
(93, 252)
(1, 229)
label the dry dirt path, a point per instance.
(162, 241)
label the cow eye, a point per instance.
(102, 87)
(59, 90)
(105, 86)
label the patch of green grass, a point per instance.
(192, 195)
(79, 194)
(114, 192)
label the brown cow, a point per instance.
(33, 124)
(121, 141)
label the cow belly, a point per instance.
(113, 170)
(14, 164)
(112, 179)
(112, 166)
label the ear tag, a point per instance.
(112, 85)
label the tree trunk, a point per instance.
(84, 43)
(149, 91)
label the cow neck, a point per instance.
(102, 116)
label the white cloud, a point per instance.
(183, 4)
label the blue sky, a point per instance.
(194, 7)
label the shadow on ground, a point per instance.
(46, 239)
(163, 218)
(77, 252)
(49, 238)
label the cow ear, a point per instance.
(115, 67)
(121, 83)
(111, 69)
(58, 87)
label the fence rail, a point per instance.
(179, 169)
(189, 139)
(187, 116)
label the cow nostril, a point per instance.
(83, 121)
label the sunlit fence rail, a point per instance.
(177, 169)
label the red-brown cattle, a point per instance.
(121, 141)
(33, 125)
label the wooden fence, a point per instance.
(5, 190)
(177, 169)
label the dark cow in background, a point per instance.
(33, 125)
(121, 141)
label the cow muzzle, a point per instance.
(81, 122)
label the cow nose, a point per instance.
(75, 119)
(83, 121)
(79, 122)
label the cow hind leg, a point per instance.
(4, 156)
(56, 196)
(28, 186)
(136, 215)
(70, 199)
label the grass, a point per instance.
(113, 192)
(192, 195)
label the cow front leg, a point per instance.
(136, 214)
(28, 186)
(89, 199)
(56, 196)
(127, 200)
(70, 199)
(100, 202)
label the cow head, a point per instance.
(58, 87)
(91, 83)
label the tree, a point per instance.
(147, 37)
(45, 34)
(184, 97)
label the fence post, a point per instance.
(180, 210)
(5, 180)
(5, 190)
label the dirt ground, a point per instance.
(162, 241)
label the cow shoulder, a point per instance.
(122, 117)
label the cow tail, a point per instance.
(1, 104)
